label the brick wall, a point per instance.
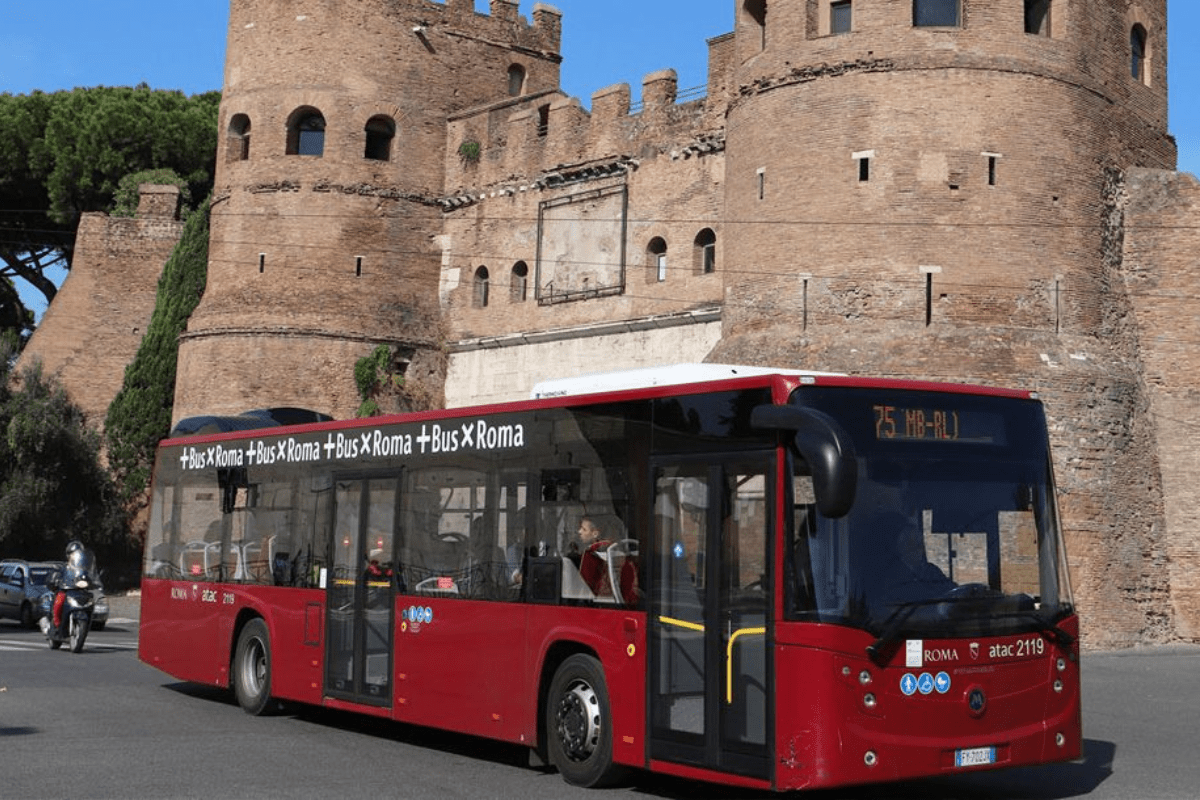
(92, 330)
(1161, 245)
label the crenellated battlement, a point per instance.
(501, 23)
(524, 140)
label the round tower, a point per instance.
(936, 195)
(324, 217)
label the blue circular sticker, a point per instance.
(942, 682)
(908, 684)
(925, 683)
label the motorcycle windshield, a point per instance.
(77, 575)
(953, 530)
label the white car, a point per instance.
(22, 585)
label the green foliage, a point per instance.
(52, 485)
(64, 154)
(470, 151)
(125, 202)
(375, 375)
(368, 408)
(15, 318)
(95, 137)
(140, 414)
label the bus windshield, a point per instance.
(953, 530)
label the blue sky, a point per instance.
(62, 44)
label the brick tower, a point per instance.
(935, 197)
(324, 216)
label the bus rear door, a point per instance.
(360, 592)
(710, 682)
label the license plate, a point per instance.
(975, 757)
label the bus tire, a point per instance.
(252, 668)
(579, 724)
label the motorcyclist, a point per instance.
(80, 565)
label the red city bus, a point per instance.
(775, 580)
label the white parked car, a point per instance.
(22, 585)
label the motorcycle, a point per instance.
(76, 618)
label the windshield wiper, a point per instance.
(877, 651)
(1060, 637)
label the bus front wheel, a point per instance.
(579, 723)
(252, 668)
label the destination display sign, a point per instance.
(897, 422)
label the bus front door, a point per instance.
(710, 682)
(360, 592)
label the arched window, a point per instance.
(1137, 51)
(379, 133)
(480, 299)
(306, 133)
(656, 258)
(239, 138)
(519, 288)
(516, 80)
(755, 15)
(705, 260)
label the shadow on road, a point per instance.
(1051, 782)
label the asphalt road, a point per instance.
(102, 725)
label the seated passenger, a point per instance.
(592, 565)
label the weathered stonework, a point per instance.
(92, 330)
(971, 203)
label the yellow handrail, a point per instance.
(729, 658)
(691, 626)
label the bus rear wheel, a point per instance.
(579, 724)
(252, 668)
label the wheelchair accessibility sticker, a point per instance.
(414, 617)
(924, 683)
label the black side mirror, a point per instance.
(825, 447)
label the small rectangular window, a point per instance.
(762, 183)
(1037, 17)
(993, 163)
(936, 13)
(864, 169)
(839, 17)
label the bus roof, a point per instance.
(646, 377)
